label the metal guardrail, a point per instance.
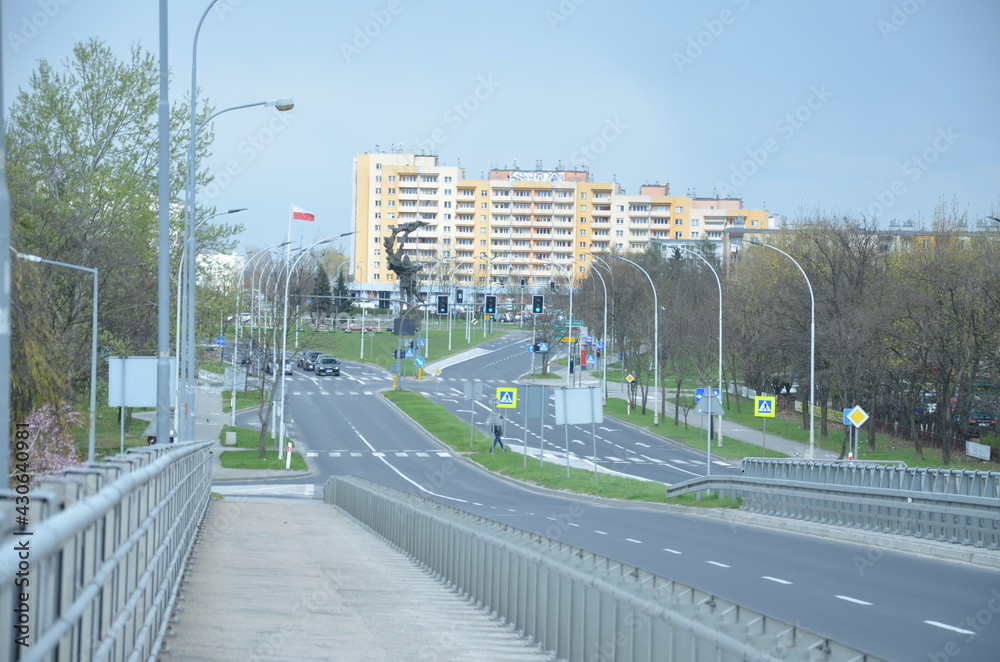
(93, 572)
(953, 506)
(885, 475)
(571, 602)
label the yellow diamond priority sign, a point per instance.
(857, 416)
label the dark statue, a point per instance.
(406, 270)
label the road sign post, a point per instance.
(763, 406)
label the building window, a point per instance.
(679, 221)
(583, 207)
(392, 178)
(678, 210)
(583, 219)
(619, 220)
(392, 191)
(678, 235)
(583, 232)
(447, 179)
(619, 233)
(583, 244)
(378, 178)
(378, 190)
(378, 228)
(377, 277)
(378, 215)
(378, 166)
(695, 221)
(378, 203)
(583, 194)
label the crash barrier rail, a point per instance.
(573, 603)
(961, 508)
(884, 475)
(90, 569)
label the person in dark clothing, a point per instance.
(497, 436)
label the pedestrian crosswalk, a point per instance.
(407, 453)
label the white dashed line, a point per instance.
(950, 627)
(634, 540)
(854, 600)
(672, 551)
(600, 533)
(775, 579)
(716, 563)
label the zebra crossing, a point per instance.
(410, 453)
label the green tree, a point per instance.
(322, 304)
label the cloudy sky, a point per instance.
(875, 107)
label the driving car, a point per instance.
(288, 367)
(308, 359)
(326, 364)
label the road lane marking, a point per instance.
(854, 600)
(950, 627)
(716, 563)
(775, 579)
(602, 533)
(638, 542)
(672, 551)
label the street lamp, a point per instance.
(569, 322)
(719, 283)
(281, 104)
(604, 328)
(93, 346)
(656, 337)
(239, 316)
(177, 322)
(284, 337)
(812, 348)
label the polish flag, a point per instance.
(300, 214)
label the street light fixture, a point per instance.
(569, 322)
(812, 348)
(656, 338)
(284, 336)
(93, 346)
(178, 318)
(719, 283)
(604, 328)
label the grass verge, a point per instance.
(247, 459)
(458, 435)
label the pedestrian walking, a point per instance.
(498, 436)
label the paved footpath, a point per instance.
(298, 580)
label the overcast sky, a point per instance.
(877, 107)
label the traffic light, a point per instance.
(491, 304)
(552, 286)
(598, 353)
(458, 296)
(442, 304)
(537, 304)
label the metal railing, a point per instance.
(571, 602)
(954, 506)
(91, 573)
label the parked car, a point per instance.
(981, 419)
(289, 365)
(308, 359)
(326, 364)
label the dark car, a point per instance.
(308, 359)
(327, 365)
(981, 419)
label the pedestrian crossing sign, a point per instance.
(763, 405)
(507, 398)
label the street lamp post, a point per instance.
(812, 348)
(719, 283)
(284, 337)
(93, 347)
(283, 104)
(239, 323)
(604, 329)
(656, 337)
(569, 322)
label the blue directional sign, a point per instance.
(220, 341)
(600, 345)
(409, 353)
(717, 393)
(699, 393)
(588, 340)
(543, 347)
(421, 342)
(531, 348)
(419, 361)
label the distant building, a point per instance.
(511, 228)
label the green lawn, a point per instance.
(247, 459)
(244, 399)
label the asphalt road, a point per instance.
(893, 605)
